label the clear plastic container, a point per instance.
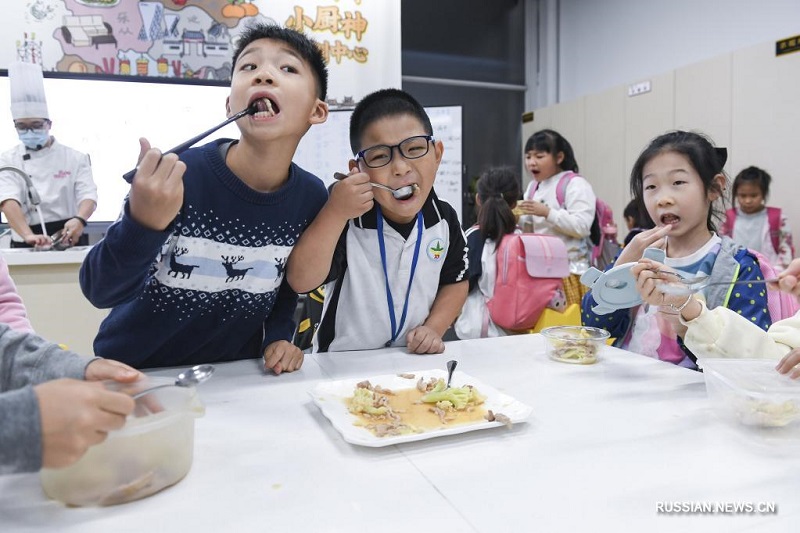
(151, 452)
(751, 392)
(578, 345)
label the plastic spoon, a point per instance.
(401, 193)
(685, 286)
(188, 378)
(128, 176)
(451, 366)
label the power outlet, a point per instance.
(639, 88)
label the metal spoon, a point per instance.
(401, 193)
(188, 378)
(683, 286)
(451, 366)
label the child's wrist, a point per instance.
(692, 310)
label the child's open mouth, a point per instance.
(404, 193)
(670, 219)
(265, 108)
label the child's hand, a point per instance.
(157, 188)
(648, 276)
(788, 365)
(75, 415)
(532, 207)
(352, 196)
(651, 238)
(789, 279)
(423, 339)
(282, 356)
(102, 369)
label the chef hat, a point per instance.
(27, 91)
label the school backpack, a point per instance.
(779, 304)
(773, 219)
(603, 233)
(529, 272)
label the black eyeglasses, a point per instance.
(22, 128)
(381, 155)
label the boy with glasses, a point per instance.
(394, 262)
(60, 177)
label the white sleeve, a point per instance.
(85, 188)
(575, 218)
(11, 184)
(720, 332)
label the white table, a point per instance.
(604, 445)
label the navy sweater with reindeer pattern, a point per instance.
(211, 287)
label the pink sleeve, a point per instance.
(12, 310)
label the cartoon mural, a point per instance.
(189, 39)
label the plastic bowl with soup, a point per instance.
(151, 452)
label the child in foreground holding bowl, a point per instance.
(720, 332)
(46, 418)
(194, 269)
(677, 179)
(376, 251)
(49, 414)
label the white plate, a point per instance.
(330, 398)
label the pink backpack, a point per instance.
(529, 272)
(604, 230)
(779, 304)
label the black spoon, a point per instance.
(186, 145)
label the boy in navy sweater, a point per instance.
(194, 268)
(395, 266)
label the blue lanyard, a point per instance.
(395, 328)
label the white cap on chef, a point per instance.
(27, 91)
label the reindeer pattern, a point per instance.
(234, 273)
(198, 264)
(176, 268)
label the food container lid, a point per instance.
(754, 376)
(582, 333)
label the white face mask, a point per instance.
(34, 139)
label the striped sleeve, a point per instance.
(456, 263)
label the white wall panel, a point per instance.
(766, 122)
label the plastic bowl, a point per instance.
(151, 452)
(751, 392)
(575, 344)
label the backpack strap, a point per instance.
(774, 219)
(561, 187)
(730, 220)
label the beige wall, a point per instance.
(56, 306)
(745, 100)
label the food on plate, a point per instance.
(429, 405)
(764, 413)
(498, 417)
(454, 397)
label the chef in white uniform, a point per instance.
(61, 176)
